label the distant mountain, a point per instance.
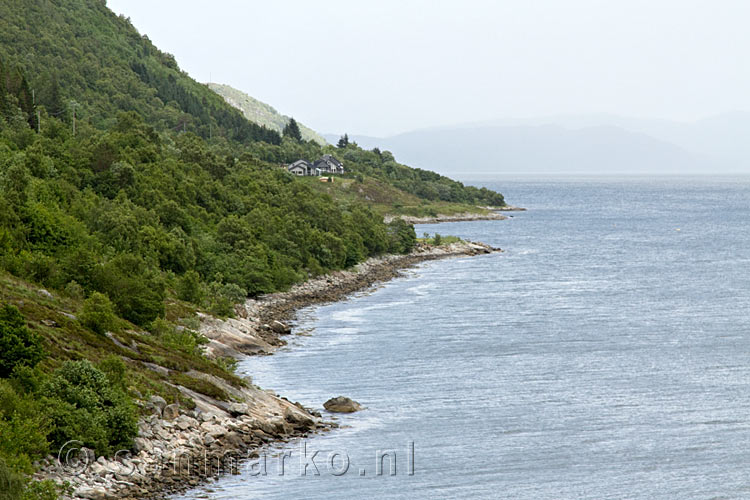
(540, 149)
(260, 112)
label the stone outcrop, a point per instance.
(176, 453)
(342, 404)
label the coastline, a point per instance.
(178, 448)
(492, 214)
(262, 323)
(464, 217)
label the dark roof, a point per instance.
(331, 159)
(300, 163)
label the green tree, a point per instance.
(84, 405)
(19, 346)
(292, 130)
(190, 288)
(99, 313)
(343, 141)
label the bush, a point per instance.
(223, 298)
(178, 337)
(11, 483)
(23, 429)
(190, 288)
(74, 290)
(437, 240)
(99, 314)
(86, 406)
(113, 367)
(18, 344)
(401, 235)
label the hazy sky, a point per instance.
(386, 66)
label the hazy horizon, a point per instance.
(381, 69)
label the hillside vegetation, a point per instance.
(260, 112)
(131, 197)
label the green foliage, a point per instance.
(292, 131)
(19, 346)
(11, 483)
(23, 428)
(40, 490)
(402, 237)
(437, 239)
(190, 288)
(178, 337)
(99, 314)
(83, 51)
(85, 405)
(115, 370)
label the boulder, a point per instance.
(171, 412)
(281, 328)
(142, 444)
(237, 409)
(158, 401)
(92, 493)
(342, 404)
(298, 418)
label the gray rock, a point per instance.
(184, 422)
(171, 412)
(237, 409)
(280, 328)
(342, 404)
(158, 401)
(142, 444)
(96, 493)
(44, 293)
(297, 418)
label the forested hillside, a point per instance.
(260, 112)
(131, 197)
(79, 57)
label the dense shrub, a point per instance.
(85, 405)
(18, 344)
(23, 428)
(99, 314)
(402, 236)
(190, 288)
(179, 337)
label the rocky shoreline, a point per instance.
(261, 323)
(464, 217)
(179, 448)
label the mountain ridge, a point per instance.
(598, 143)
(261, 113)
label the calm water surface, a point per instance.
(605, 354)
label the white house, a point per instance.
(301, 167)
(329, 165)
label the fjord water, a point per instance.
(605, 354)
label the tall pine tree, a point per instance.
(292, 130)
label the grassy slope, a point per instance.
(260, 112)
(66, 339)
(386, 199)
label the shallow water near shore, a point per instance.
(604, 355)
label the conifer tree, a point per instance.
(292, 130)
(343, 142)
